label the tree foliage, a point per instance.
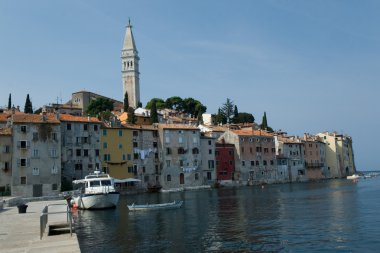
(28, 108)
(153, 113)
(131, 116)
(264, 124)
(126, 102)
(160, 103)
(228, 109)
(99, 105)
(244, 117)
(10, 101)
(175, 103)
(219, 118)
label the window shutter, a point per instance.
(18, 144)
(18, 162)
(28, 144)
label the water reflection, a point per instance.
(329, 216)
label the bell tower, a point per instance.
(130, 68)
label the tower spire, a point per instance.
(130, 68)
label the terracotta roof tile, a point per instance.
(251, 132)
(177, 126)
(35, 118)
(68, 117)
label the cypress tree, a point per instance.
(28, 108)
(153, 113)
(126, 102)
(131, 116)
(264, 123)
(10, 101)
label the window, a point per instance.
(231, 162)
(54, 170)
(22, 180)
(135, 144)
(120, 146)
(85, 127)
(271, 162)
(230, 152)
(135, 133)
(265, 162)
(180, 131)
(53, 153)
(6, 166)
(242, 149)
(36, 153)
(273, 150)
(36, 172)
(195, 163)
(24, 144)
(168, 151)
(120, 133)
(266, 150)
(96, 152)
(35, 136)
(146, 179)
(167, 163)
(180, 140)
(104, 132)
(155, 144)
(258, 149)
(169, 178)
(195, 151)
(129, 157)
(85, 152)
(210, 164)
(96, 127)
(209, 176)
(135, 156)
(78, 152)
(54, 187)
(167, 139)
(181, 163)
(209, 143)
(210, 151)
(250, 150)
(104, 144)
(6, 149)
(54, 136)
(257, 163)
(252, 163)
(216, 153)
(84, 139)
(217, 163)
(68, 126)
(23, 129)
(195, 140)
(23, 162)
(181, 151)
(196, 176)
(243, 163)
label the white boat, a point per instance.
(147, 207)
(98, 191)
(353, 177)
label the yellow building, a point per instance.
(117, 151)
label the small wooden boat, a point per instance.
(147, 207)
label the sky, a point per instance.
(312, 66)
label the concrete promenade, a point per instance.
(21, 232)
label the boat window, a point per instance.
(94, 183)
(106, 182)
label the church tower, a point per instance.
(130, 68)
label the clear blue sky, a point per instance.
(311, 65)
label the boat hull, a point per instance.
(172, 205)
(97, 201)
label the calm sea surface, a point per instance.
(328, 216)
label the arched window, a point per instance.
(257, 163)
(181, 150)
(196, 176)
(168, 178)
(195, 151)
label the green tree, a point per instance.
(244, 117)
(160, 103)
(153, 113)
(200, 118)
(220, 118)
(10, 101)
(28, 108)
(131, 116)
(99, 105)
(126, 102)
(175, 103)
(264, 124)
(228, 109)
(38, 111)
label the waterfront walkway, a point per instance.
(21, 232)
